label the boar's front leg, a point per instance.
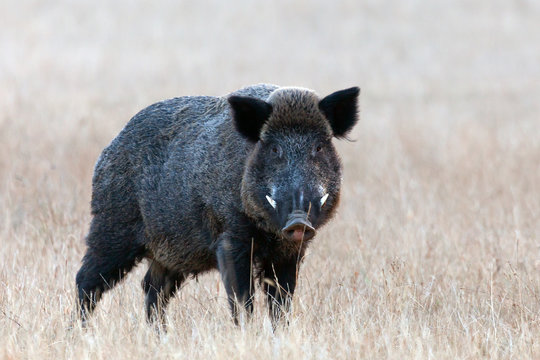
(279, 284)
(235, 265)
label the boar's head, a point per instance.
(292, 178)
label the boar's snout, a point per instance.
(298, 227)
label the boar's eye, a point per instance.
(317, 149)
(276, 150)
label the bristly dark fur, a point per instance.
(186, 185)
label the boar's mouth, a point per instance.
(298, 227)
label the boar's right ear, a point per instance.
(340, 108)
(249, 115)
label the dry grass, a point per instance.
(435, 252)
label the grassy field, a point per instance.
(435, 252)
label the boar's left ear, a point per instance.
(249, 115)
(341, 110)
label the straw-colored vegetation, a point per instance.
(435, 250)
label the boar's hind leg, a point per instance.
(235, 264)
(112, 252)
(279, 284)
(159, 285)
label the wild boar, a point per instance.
(238, 183)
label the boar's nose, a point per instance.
(298, 227)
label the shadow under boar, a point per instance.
(239, 183)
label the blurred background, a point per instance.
(441, 179)
(72, 73)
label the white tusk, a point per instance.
(323, 199)
(271, 201)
